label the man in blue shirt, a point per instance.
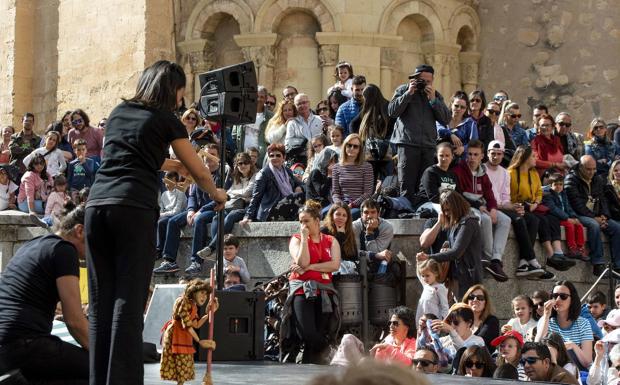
(349, 109)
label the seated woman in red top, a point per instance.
(312, 297)
(548, 148)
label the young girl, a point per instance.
(33, 187)
(54, 157)
(344, 79)
(56, 200)
(7, 191)
(177, 358)
(509, 351)
(434, 298)
(523, 307)
(336, 137)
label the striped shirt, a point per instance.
(352, 183)
(578, 332)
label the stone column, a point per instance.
(468, 62)
(444, 59)
(389, 60)
(264, 61)
(198, 57)
(328, 58)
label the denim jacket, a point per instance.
(602, 149)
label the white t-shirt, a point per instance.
(522, 329)
(252, 132)
(5, 191)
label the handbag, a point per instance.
(541, 209)
(378, 148)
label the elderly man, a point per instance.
(536, 361)
(586, 195)
(572, 144)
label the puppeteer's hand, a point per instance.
(207, 344)
(213, 305)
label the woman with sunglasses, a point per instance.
(322, 110)
(457, 326)
(509, 120)
(600, 146)
(276, 127)
(352, 178)
(310, 311)
(462, 128)
(83, 130)
(462, 230)
(240, 184)
(122, 206)
(499, 133)
(476, 362)
(486, 325)
(562, 315)
(477, 105)
(548, 148)
(539, 298)
(275, 184)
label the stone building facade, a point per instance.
(63, 54)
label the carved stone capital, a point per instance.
(328, 55)
(260, 55)
(389, 57)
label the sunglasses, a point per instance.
(472, 364)
(455, 322)
(242, 163)
(393, 323)
(349, 145)
(499, 98)
(528, 360)
(270, 103)
(564, 124)
(275, 155)
(598, 127)
(423, 363)
(562, 296)
(480, 298)
(476, 100)
(493, 112)
(515, 116)
(539, 304)
(191, 118)
(77, 121)
(298, 172)
(459, 106)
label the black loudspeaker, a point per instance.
(229, 94)
(239, 327)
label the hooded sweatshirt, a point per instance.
(475, 186)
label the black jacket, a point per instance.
(613, 202)
(319, 187)
(579, 192)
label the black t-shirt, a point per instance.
(442, 236)
(136, 143)
(28, 292)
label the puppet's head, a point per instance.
(198, 290)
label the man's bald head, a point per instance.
(587, 164)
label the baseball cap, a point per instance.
(423, 68)
(613, 319)
(509, 334)
(495, 145)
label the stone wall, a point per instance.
(562, 53)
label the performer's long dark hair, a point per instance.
(158, 85)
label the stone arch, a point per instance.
(198, 26)
(464, 25)
(424, 14)
(271, 13)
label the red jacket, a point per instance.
(474, 186)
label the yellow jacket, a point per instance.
(524, 188)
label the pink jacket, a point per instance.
(403, 354)
(32, 183)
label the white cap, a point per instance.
(495, 145)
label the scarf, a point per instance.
(284, 184)
(549, 145)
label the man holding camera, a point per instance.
(417, 108)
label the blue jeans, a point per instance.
(231, 218)
(595, 244)
(173, 234)
(38, 206)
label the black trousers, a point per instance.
(525, 228)
(412, 161)
(46, 360)
(548, 228)
(312, 327)
(120, 243)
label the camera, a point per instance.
(419, 83)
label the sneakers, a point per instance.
(35, 220)
(166, 267)
(559, 262)
(546, 276)
(529, 271)
(194, 268)
(205, 253)
(495, 269)
(597, 270)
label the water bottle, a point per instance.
(382, 267)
